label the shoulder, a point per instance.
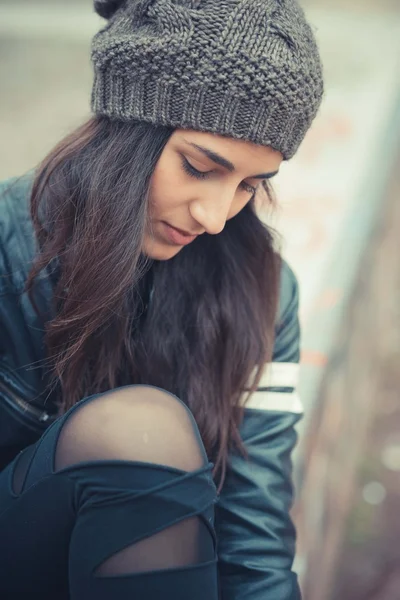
(288, 294)
(287, 327)
(277, 387)
(17, 240)
(283, 373)
(14, 200)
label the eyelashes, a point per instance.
(248, 188)
(192, 172)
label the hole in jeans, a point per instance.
(183, 544)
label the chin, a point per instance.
(157, 251)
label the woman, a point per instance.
(149, 331)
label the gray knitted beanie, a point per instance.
(248, 69)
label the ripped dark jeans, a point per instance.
(115, 501)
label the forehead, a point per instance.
(243, 154)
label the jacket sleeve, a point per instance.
(256, 537)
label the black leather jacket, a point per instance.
(255, 533)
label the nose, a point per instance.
(212, 213)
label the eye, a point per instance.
(248, 188)
(190, 170)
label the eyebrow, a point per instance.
(224, 162)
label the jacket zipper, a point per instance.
(16, 402)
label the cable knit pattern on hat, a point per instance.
(248, 69)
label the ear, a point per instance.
(106, 8)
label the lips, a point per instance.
(183, 232)
(176, 236)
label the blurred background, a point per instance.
(339, 218)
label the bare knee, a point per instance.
(134, 423)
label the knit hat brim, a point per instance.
(163, 103)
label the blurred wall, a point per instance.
(45, 76)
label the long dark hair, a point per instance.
(209, 326)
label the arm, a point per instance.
(256, 535)
(21, 330)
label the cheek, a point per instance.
(167, 191)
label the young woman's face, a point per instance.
(200, 181)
